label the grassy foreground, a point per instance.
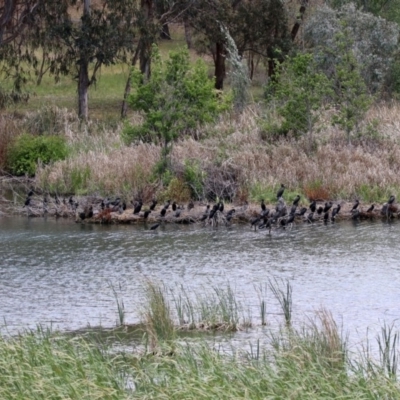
(307, 363)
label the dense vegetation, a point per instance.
(218, 99)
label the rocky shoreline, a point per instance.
(94, 209)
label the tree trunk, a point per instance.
(83, 75)
(296, 26)
(83, 88)
(219, 65)
(146, 39)
(124, 107)
(188, 33)
(164, 34)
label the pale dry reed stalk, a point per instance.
(236, 144)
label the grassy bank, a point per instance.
(234, 160)
(311, 361)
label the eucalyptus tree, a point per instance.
(16, 17)
(258, 26)
(82, 37)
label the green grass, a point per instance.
(40, 365)
(311, 361)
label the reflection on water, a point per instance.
(61, 273)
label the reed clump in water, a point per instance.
(310, 362)
(214, 309)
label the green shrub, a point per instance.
(177, 98)
(194, 177)
(28, 150)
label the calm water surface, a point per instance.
(60, 273)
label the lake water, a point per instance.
(58, 273)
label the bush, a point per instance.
(28, 150)
(177, 98)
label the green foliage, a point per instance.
(352, 99)
(175, 100)
(80, 179)
(28, 150)
(194, 177)
(300, 91)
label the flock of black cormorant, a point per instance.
(280, 216)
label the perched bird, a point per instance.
(204, 217)
(229, 215)
(293, 209)
(265, 212)
(163, 212)
(263, 206)
(153, 205)
(296, 200)
(313, 206)
(391, 199)
(221, 206)
(326, 216)
(27, 201)
(115, 202)
(146, 214)
(310, 218)
(174, 206)
(213, 211)
(290, 219)
(167, 204)
(89, 213)
(137, 208)
(255, 221)
(302, 211)
(320, 210)
(190, 205)
(355, 214)
(178, 213)
(355, 205)
(328, 206)
(371, 208)
(30, 193)
(280, 191)
(155, 226)
(335, 211)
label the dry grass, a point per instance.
(233, 148)
(9, 130)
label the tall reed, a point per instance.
(284, 298)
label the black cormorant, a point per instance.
(371, 208)
(146, 214)
(355, 205)
(280, 191)
(155, 226)
(263, 206)
(153, 205)
(137, 208)
(328, 206)
(296, 200)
